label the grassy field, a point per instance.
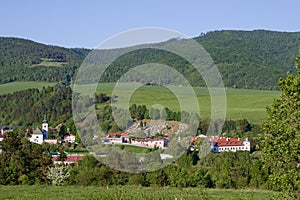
(119, 192)
(241, 103)
(48, 62)
(17, 86)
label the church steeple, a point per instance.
(45, 119)
(45, 128)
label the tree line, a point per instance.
(28, 107)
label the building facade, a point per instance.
(220, 144)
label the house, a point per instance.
(123, 138)
(69, 159)
(37, 136)
(116, 138)
(69, 138)
(5, 129)
(159, 143)
(1, 137)
(221, 144)
(51, 141)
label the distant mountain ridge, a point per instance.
(246, 59)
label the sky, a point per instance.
(87, 23)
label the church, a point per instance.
(39, 136)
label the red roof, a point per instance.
(222, 141)
(69, 159)
(1, 136)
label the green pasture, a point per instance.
(240, 103)
(135, 149)
(127, 192)
(12, 87)
(48, 62)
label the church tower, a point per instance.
(45, 128)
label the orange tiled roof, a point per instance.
(222, 141)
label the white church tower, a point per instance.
(45, 128)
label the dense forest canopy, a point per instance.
(246, 59)
(22, 60)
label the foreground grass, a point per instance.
(9, 88)
(119, 192)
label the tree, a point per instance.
(22, 161)
(58, 174)
(63, 131)
(280, 142)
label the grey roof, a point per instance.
(37, 131)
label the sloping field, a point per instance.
(9, 88)
(241, 103)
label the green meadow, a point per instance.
(240, 103)
(12, 87)
(48, 62)
(128, 192)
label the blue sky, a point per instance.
(79, 23)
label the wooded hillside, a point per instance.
(246, 59)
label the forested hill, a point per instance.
(25, 60)
(246, 59)
(252, 59)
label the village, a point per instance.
(146, 139)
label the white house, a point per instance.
(37, 136)
(70, 138)
(159, 143)
(4, 129)
(220, 144)
(116, 138)
(51, 141)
